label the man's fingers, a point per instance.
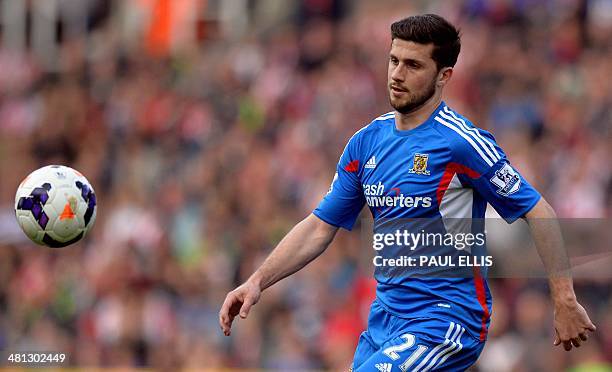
(571, 326)
(224, 312)
(591, 327)
(246, 306)
(225, 316)
(237, 302)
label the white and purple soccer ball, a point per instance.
(55, 206)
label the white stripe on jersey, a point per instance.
(462, 134)
(386, 116)
(449, 330)
(454, 351)
(433, 351)
(470, 132)
(449, 350)
(474, 131)
(436, 349)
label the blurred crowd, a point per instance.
(204, 155)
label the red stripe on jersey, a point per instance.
(444, 182)
(482, 300)
(352, 166)
(450, 170)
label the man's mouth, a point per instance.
(398, 89)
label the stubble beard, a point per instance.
(414, 102)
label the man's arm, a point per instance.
(305, 242)
(570, 319)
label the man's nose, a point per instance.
(398, 73)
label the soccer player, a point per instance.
(423, 161)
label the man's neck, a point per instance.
(418, 116)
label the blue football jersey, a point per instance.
(445, 168)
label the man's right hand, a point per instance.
(306, 241)
(238, 301)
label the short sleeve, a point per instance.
(344, 200)
(506, 190)
(493, 177)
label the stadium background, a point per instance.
(209, 128)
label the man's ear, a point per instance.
(444, 76)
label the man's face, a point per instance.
(411, 75)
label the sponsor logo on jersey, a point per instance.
(419, 164)
(377, 197)
(383, 367)
(507, 180)
(371, 164)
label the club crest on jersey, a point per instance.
(419, 164)
(507, 180)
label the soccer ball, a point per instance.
(55, 206)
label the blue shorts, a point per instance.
(395, 344)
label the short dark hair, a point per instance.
(431, 28)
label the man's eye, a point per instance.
(394, 61)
